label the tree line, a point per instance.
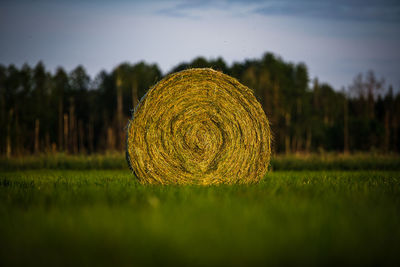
(72, 113)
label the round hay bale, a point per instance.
(199, 126)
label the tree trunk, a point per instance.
(72, 127)
(81, 137)
(308, 140)
(135, 100)
(110, 139)
(287, 134)
(346, 127)
(17, 134)
(387, 131)
(276, 107)
(47, 142)
(395, 132)
(91, 136)
(300, 142)
(3, 126)
(370, 104)
(75, 137)
(119, 113)
(8, 139)
(37, 130)
(60, 125)
(66, 133)
(266, 91)
(294, 143)
(8, 145)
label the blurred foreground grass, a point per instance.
(104, 217)
(328, 161)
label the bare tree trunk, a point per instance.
(370, 105)
(346, 127)
(276, 107)
(395, 131)
(3, 121)
(72, 128)
(135, 100)
(287, 134)
(119, 113)
(299, 145)
(81, 137)
(294, 143)
(75, 137)
(17, 135)
(91, 136)
(53, 148)
(110, 139)
(66, 133)
(37, 130)
(266, 93)
(308, 140)
(8, 139)
(387, 131)
(60, 125)
(47, 142)
(8, 145)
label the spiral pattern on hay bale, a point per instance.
(199, 126)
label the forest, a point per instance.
(69, 112)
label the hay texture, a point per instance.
(199, 126)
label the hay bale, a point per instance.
(199, 126)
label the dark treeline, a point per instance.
(71, 113)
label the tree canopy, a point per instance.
(73, 113)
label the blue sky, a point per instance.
(336, 39)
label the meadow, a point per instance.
(309, 210)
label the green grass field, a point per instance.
(104, 217)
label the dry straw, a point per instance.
(199, 126)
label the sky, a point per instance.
(335, 39)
